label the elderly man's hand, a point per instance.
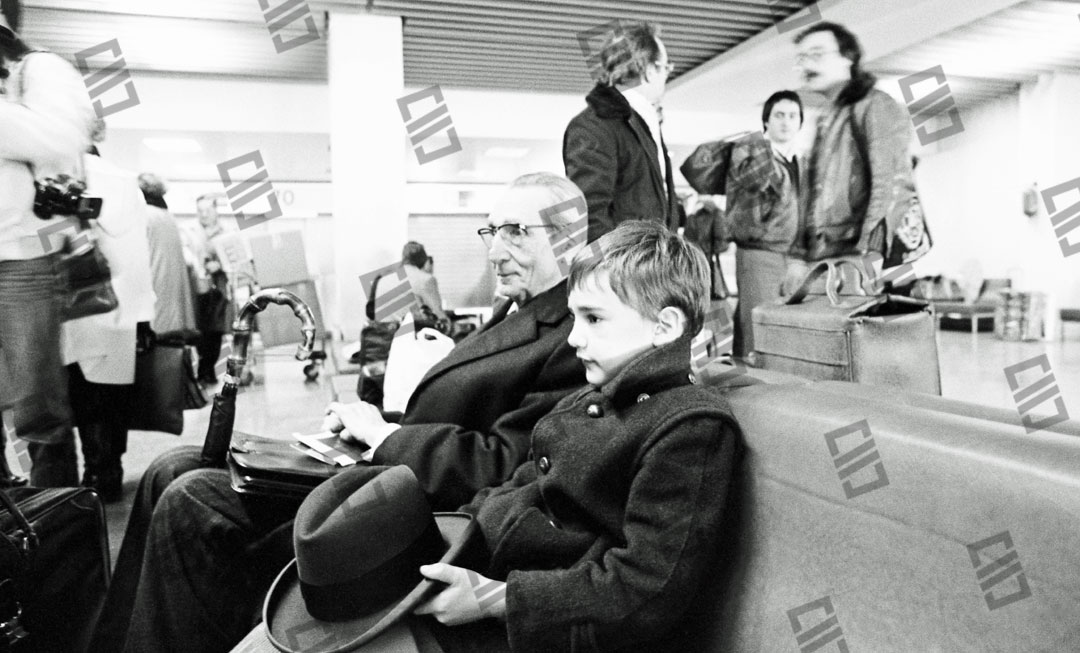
(358, 421)
(467, 597)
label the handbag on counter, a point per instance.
(54, 568)
(858, 336)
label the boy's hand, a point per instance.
(467, 597)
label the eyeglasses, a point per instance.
(813, 55)
(665, 66)
(512, 233)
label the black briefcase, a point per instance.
(271, 467)
(54, 568)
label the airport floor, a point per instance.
(972, 369)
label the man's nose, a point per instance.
(497, 249)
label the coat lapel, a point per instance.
(652, 150)
(503, 332)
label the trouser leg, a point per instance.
(113, 624)
(759, 274)
(54, 465)
(210, 558)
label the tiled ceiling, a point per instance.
(494, 44)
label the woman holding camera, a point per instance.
(45, 123)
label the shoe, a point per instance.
(110, 486)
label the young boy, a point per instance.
(602, 539)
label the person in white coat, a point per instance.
(100, 350)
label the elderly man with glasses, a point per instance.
(614, 150)
(207, 555)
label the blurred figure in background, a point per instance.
(705, 228)
(414, 260)
(45, 117)
(173, 308)
(859, 186)
(213, 298)
(100, 349)
(763, 209)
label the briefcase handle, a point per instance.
(833, 282)
(26, 539)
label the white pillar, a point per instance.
(367, 158)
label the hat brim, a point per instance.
(292, 629)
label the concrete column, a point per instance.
(367, 158)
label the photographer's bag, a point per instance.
(87, 281)
(54, 568)
(876, 339)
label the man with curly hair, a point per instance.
(614, 150)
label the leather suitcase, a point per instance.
(57, 575)
(882, 340)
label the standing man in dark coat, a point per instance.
(614, 150)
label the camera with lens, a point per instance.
(64, 196)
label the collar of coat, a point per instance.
(608, 103)
(549, 307)
(654, 371)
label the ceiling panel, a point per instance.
(491, 44)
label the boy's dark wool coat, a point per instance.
(607, 533)
(610, 154)
(468, 423)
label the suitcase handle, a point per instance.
(833, 282)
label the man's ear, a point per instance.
(670, 325)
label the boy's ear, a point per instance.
(670, 325)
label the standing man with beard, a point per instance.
(614, 149)
(859, 184)
(763, 209)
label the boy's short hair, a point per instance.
(648, 268)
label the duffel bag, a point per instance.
(876, 339)
(54, 568)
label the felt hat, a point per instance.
(359, 538)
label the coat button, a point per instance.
(691, 378)
(642, 397)
(544, 464)
(594, 410)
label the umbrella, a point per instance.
(223, 413)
